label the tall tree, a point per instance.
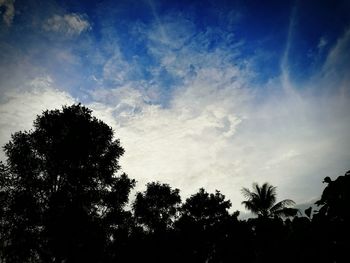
(61, 188)
(262, 202)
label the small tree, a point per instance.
(206, 208)
(157, 207)
(204, 219)
(262, 202)
(60, 189)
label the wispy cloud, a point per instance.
(69, 24)
(162, 30)
(218, 128)
(285, 74)
(116, 69)
(322, 43)
(337, 65)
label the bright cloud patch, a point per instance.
(222, 140)
(69, 24)
(19, 110)
(219, 132)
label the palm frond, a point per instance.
(286, 212)
(257, 189)
(266, 195)
(261, 201)
(270, 195)
(251, 206)
(246, 193)
(283, 204)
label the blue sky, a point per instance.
(217, 94)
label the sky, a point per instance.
(214, 94)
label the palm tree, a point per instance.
(262, 202)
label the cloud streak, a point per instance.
(69, 24)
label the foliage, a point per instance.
(157, 207)
(262, 202)
(335, 198)
(206, 208)
(61, 185)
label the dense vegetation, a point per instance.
(63, 199)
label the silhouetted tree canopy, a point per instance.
(203, 225)
(64, 199)
(206, 208)
(156, 207)
(61, 185)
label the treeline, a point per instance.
(63, 199)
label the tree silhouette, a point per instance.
(61, 197)
(155, 211)
(262, 202)
(332, 221)
(203, 225)
(157, 207)
(205, 208)
(335, 198)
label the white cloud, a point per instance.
(221, 133)
(9, 13)
(221, 139)
(217, 136)
(19, 109)
(68, 24)
(216, 131)
(172, 145)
